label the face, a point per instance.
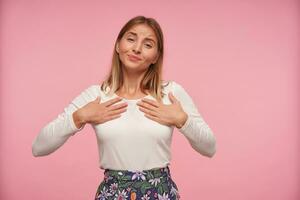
(137, 48)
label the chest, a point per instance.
(134, 125)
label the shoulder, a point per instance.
(172, 85)
(175, 87)
(88, 93)
(92, 90)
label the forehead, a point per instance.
(142, 30)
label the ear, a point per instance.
(117, 47)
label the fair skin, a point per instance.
(137, 49)
(139, 41)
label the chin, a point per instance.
(132, 65)
(135, 67)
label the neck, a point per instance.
(131, 83)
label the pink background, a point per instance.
(238, 60)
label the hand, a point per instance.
(96, 113)
(169, 115)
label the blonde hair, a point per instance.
(152, 80)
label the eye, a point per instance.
(130, 39)
(149, 45)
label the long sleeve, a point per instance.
(195, 129)
(56, 133)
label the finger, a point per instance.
(118, 106)
(172, 97)
(114, 112)
(147, 106)
(152, 117)
(151, 102)
(149, 112)
(112, 101)
(98, 99)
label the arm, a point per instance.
(195, 129)
(56, 133)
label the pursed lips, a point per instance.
(134, 57)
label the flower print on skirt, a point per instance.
(153, 184)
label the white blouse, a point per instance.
(132, 141)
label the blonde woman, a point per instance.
(133, 112)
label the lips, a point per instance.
(134, 58)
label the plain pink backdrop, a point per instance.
(238, 60)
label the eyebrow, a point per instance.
(147, 38)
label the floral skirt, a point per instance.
(154, 184)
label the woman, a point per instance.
(133, 113)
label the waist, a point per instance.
(137, 175)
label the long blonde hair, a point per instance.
(152, 80)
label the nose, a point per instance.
(137, 48)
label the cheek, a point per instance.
(151, 55)
(124, 46)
